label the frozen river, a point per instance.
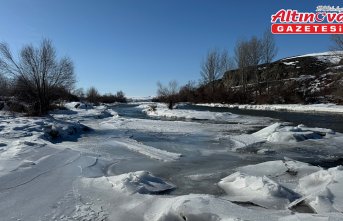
(207, 155)
(142, 164)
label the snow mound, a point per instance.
(323, 191)
(259, 190)
(64, 130)
(286, 172)
(196, 207)
(278, 167)
(280, 133)
(149, 151)
(81, 110)
(285, 184)
(141, 182)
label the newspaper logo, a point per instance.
(325, 20)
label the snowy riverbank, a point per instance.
(313, 108)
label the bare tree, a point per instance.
(226, 62)
(255, 51)
(255, 55)
(248, 55)
(92, 95)
(168, 93)
(38, 74)
(80, 93)
(214, 67)
(242, 60)
(187, 92)
(269, 49)
(4, 85)
(120, 97)
(210, 69)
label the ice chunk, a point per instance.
(259, 190)
(281, 133)
(287, 137)
(149, 151)
(266, 132)
(244, 141)
(286, 172)
(279, 167)
(322, 190)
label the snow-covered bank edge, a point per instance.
(310, 108)
(160, 110)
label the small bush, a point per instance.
(17, 107)
(152, 107)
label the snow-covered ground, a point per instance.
(96, 163)
(319, 108)
(333, 57)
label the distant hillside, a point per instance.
(310, 78)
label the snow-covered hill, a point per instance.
(309, 78)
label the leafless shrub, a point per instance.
(93, 95)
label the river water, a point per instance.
(322, 120)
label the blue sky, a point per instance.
(130, 45)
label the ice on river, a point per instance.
(89, 163)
